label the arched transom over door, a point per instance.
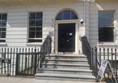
(66, 15)
(66, 31)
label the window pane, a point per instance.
(32, 29)
(3, 35)
(106, 34)
(2, 40)
(73, 16)
(38, 35)
(32, 16)
(59, 17)
(38, 22)
(66, 15)
(36, 40)
(38, 15)
(32, 23)
(32, 35)
(4, 17)
(0, 34)
(106, 18)
(3, 29)
(39, 29)
(0, 23)
(0, 16)
(3, 23)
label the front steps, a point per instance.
(66, 67)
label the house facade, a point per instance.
(26, 23)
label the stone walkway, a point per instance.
(32, 80)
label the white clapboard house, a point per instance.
(26, 24)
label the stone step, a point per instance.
(69, 71)
(68, 58)
(53, 65)
(62, 54)
(65, 67)
(69, 61)
(67, 55)
(65, 76)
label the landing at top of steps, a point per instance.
(66, 55)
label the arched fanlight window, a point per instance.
(66, 15)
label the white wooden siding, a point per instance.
(93, 28)
(17, 26)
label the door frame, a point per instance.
(56, 22)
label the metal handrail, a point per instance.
(91, 54)
(45, 50)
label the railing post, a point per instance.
(91, 58)
(35, 63)
(96, 61)
(100, 56)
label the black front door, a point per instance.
(66, 37)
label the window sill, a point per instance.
(107, 44)
(3, 44)
(34, 44)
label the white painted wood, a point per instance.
(93, 28)
(17, 25)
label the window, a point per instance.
(66, 15)
(35, 27)
(106, 33)
(3, 23)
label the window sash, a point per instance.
(35, 29)
(106, 34)
(106, 18)
(105, 25)
(3, 24)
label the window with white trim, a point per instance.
(106, 32)
(3, 23)
(35, 27)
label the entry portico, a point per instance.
(66, 31)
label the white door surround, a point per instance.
(76, 22)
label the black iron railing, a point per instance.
(23, 60)
(110, 54)
(45, 50)
(19, 61)
(97, 54)
(90, 53)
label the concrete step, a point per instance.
(63, 54)
(64, 76)
(82, 58)
(68, 71)
(66, 67)
(69, 61)
(53, 65)
(67, 56)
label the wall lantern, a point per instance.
(81, 21)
